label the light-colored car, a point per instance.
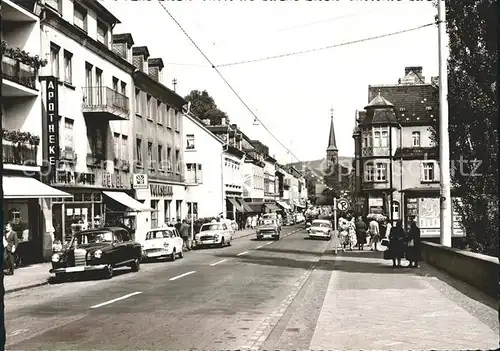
(320, 228)
(161, 243)
(268, 227)
(216, 233)
(299, 218)
(273, 216)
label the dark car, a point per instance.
(101, 249)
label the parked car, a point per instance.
(100, 250)
(288, 220)
(162, 243)
(268, 226)
(299, 218)
(216, 233)
(320, 228)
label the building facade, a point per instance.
(397, 163)
(158, 167)
(205, 169)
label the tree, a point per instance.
(203, 106)
(473, 118)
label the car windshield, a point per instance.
(215, 226)
(321, 225)
(92, 238)
(267, 221)
(159, 234)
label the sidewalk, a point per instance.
(27, 277)
(243, 233)
(370, 305)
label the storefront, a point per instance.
(27, 206)
(166, 199)
(234, 208)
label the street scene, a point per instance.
(201, 175)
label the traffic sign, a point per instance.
(343, 205)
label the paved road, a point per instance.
(292, 294)
(210, 299)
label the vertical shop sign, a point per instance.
(52, 103)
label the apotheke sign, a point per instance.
(52, 104)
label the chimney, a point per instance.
(122, 45)
(140, 56)
(435, 80)
(206, 122)
(223, 121)
(155, 66)
(416, 70)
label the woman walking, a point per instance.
(361, 233)
(397, 244)
(413, 251)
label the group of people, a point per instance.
(253, 221)
(356, 233)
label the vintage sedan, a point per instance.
(320, 228)
(268, 227)
(162, 243)
(217, 233)
(98, 250)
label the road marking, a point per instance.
(242, 253)
(16, 332)
(182, 275)
(117, 299)
(216, 263)
(261, 246)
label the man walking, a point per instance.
(184, 232)
(374, 231)
(10, 242)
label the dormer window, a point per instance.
(401, 109)
(80, 17)
(428, 108)
(102, 33)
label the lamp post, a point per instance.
(444, 141)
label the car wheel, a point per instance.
(108, 272)
(181, 254)
(222, 243)
(136, 265)
(173, 255)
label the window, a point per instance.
(376, 138)
(192, 209)
(177, 117)
(138, 149)
(80, 17)
(97, 143)
(428, 171)
(88, 84)
(381, 172)
(428, 108)
(415, 139)
(150, 154)
(169, 117)
(54, 59)
(99, 93)
(159, 112)
(102, 33)
(116, 145)
(166, 209)
(177, 162)
(199, 174)
(68, 70)
(384, 142)
(68, 134)
(153, 109)
(55, 4)
(123, 89)
(169, 159)
(369, 173)
(124, 148)
(367, 139)
(380, 137)
(154, 214)
(190, 142)
(160, 156)
(115, 84)
(148, 103)
(137, 101)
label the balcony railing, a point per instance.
(104, 100)
(18, 72)
(193, 179)
(19, 154)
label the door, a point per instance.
(99, 88)
(88, 84)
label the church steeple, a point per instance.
(332, 145)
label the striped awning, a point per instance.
(244, 205)
(284, 205)
(272, 207)
(236, 205)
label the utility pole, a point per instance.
(2, 290)
(174, 82)
(444, 141)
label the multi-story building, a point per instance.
(397, 162)
(281, 188)
(270, 194)
(297, 185)
(205, 169)
(91, 141)
(234, 205)
(158, 165)
(253, 170)
(27, 201)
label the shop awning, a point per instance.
(128, 201)
(284, 205)
(245, 205)
(298, 204)
(236, 205)
(16, 187)
(272, 207)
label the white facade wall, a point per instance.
(206, 187)
(253, 181)
(271, 169)
(233, 174)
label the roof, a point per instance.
(140, 50)
(379, 110)
(102, 11)
(414, 103)
(156, 62)
(332, 144)
(123, 38)
(379, 101)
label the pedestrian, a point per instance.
(374, 230)
(397, 244)
(178, 224)
(184, 232)
(10, 243)
(388, 227)
(413, 250)
(361, 233)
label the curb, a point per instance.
(31, 286)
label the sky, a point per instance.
(292, 95)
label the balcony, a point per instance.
(19, 79)
(375, 152)
(105, 103)
(19, 148)
(193, 179)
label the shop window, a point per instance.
(167, 204)
(154, 214)
(14, 216)
(178, 208)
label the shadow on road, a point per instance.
(82, 277)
